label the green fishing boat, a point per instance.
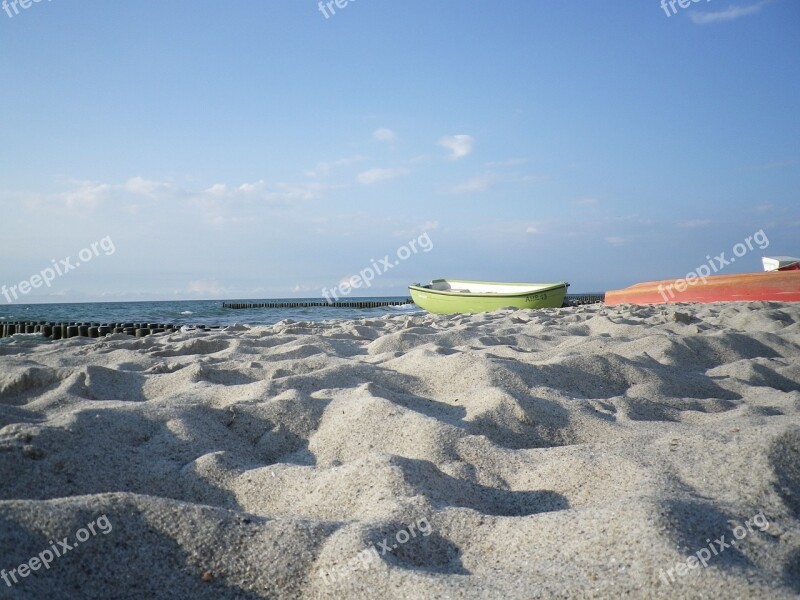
(445, 296)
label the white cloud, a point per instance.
(377, 175)
(145, 187)
(511, 228)
(91, 194)
(728, 14)
(475, 184)
(205, 288)
(250, 188)
(459, 145)
(323, 169)
(218, 204)
(615, 240)
(298, 191)
(87, 195)
(280, 192)
(429, 226)
(384, 135)
(218, 189)
(481, 183)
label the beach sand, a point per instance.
(588, 452)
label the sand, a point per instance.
(589, 452)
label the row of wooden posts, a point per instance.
(58, 331)
(316, 303)
(580, 299)
(570, 300)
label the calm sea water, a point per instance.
(191, 312)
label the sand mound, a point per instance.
(564, 453)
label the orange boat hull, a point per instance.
(773, 286)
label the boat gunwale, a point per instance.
(551, 287)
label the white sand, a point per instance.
(573, 453)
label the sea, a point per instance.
(194, 312)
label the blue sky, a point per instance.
(259, 149)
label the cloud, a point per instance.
(89, 195)
(384, 135)
(145, 187)
(323, 169)
(615, 240)
(510, 229)
(377, 175)
(729, 14)
(217, 204)
(221, 190)
(429, 226)
(251, 188)
(259, 191)
(481, 183)
(205, 288)
(459, 145)
(218, 189)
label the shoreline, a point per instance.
(560, 453)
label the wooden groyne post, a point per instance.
(317, 303)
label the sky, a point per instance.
(276, 148)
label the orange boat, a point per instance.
(773, 286)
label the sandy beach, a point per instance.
(588, 452)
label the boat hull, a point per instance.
(773, 286)
(448, 302)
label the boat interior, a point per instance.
(475, 287)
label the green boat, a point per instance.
(445, 296)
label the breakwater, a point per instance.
(58, 331)
(569, 300)
(317, 303)
(580, 299)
